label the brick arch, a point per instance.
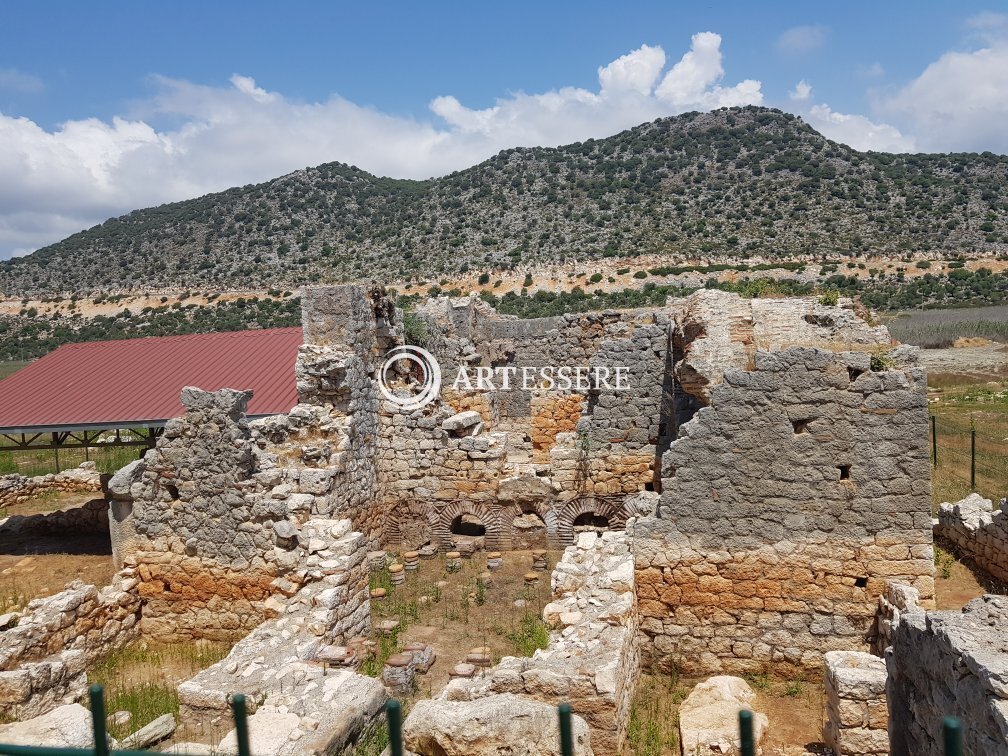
(405, 516)
(546, 510)
(613, 508)
(444, 514)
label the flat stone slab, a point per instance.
(67, 726)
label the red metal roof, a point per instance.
(136, 380)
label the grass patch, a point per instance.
(530, 634)
(9, 367)
(653, 729)
(42, 462)
(943, 562)
(143, 679)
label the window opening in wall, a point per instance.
(861, 582)
(800, 426)
(844, 472)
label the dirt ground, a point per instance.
(451, 619)
(41, 565)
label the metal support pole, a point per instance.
(393, 711)
(934, 440)
(746, 733)
(566, 735)
(241, 724)
(55, 440)
(973, 459)
(98, 719)
(952, 732)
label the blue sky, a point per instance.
(108, 106)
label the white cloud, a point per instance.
(55, 182)
(988, 26)
(18, 81)
(799, 40)
(873, 71)
(858, 131)
(801, 92)
(959, 102)
(636, 71)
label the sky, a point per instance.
(107, 107)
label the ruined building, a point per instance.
(766, 461)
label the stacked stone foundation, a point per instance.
(46, 648)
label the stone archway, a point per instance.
(412, 526)
(449, 513)
(610, 508)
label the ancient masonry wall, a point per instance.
(280, 666)
(543, 452)
(949, 663)
(16, 489)
(976, 532)
(857, 717)
(45, 649)
(592, 659)
(786, 505)
(91, 517)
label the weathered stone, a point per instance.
(497, 725)
(708, 716)
(66, 726)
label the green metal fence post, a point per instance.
(240, 714)
(98, 719)
(566, 735)
(952, 732)
(973, 459)
(393, 710)
(934, 440)
(746, 733)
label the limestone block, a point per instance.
(708, 716)
(67, 726)
(496, 725)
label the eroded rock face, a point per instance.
(497, 725)
(708, 717)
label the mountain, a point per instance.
(733, 183)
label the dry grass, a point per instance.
(24, 578)
(794, 707)
(458, 616)
(42, 462)
(143, 678)
(958, 407)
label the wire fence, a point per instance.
(31, 462)
(969, 455)
(951, 732)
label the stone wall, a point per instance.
(786, 505)
(45, 649)
(592, 659)
(896, 600)
(953, 663)
(857, 717)
(91, 517)
(17, 489)
(280, 666)
(977, 532)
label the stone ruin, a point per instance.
(757, 495)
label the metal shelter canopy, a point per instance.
(78, 393)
